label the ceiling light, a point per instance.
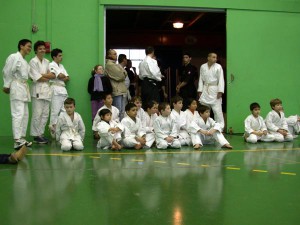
(178, 25)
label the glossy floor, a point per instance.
(253, 184)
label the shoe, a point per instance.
(19, 155)
(19, 143)
(27, 143)
(40, 140)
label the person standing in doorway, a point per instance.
(150, 75)
(188, 74)
(211, 87)
(117, 76)
(15, 76)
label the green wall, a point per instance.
(262, 43)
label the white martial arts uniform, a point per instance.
(164, 127)
(59, 91)
(70, 133)
(211, 81)
(40, 95)
(181, 124)
(148, 68)
(150, 135)
(256, 124)
(132, 129)
(191, 116)
(200, 124)
(15, 76)
(293, 125)
(106, 137)
(114, 116)
(274, 122)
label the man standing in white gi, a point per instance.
(40, 92)
(211, 87)
(150, 74)
(15, 78)
(59, 91)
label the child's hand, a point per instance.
(211, 132)
(265, 132)
(204, 132)
(169, 139)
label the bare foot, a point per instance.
(197, 146)
(114, 147)
(227, 146)
(138, 146)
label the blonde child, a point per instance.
(276, 122)
(165, 128)
(204, 130)
(109, 131)
(70, 129)
(255, 127)
(134, 134)
(180, 118)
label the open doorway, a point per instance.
(204, 31)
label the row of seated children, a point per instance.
(273, 128)
(141, 128)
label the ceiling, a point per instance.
(158, 20)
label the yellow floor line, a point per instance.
(115, 158)
(137, 160)
(159, 161)
(95, 157)
(260, 171)
(203, 165)
(186, 164)
(286, 173)
(233, 168)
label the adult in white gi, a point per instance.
(211, 87)
(293, 125)
(165, 129)
(70, 129)
(206, 131)
(15, 76)
(109, 131)
(59, 91)
(277, 125)
(150, 74)
(40, 92)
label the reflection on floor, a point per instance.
(251, 184)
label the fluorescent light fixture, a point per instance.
(178, 25)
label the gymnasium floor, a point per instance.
(249, 185)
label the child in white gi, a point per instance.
(191, 112)
(109, 131)
(276, 122)
(293, 125)
(205, 130)
(15, 76)
(165, 128)
(59, 91)
(141, 114)
(255, 127)
(70, 128)
(107, 100)
(40, 92)
(134, 134)
(180, 118)
(150, 116)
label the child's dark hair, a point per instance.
(150, 104)
(69, 101)
(129, 106)
(23, 42)
(190, 101)
(203, 108)
(95, 68)
(105, 94)
(176, 99)
(38, 44)
(274, 102)
(254, 105)
(103, 112)
(55, 52)
(162, 106)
